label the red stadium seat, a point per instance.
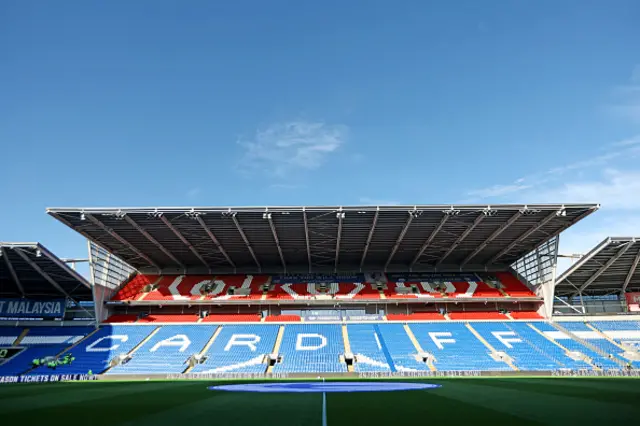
(282, 318)
(477, 315)
(525, 315)
(169, 318)
(232, 318)
(512, 286)
(120, 318)
(133, 289)
(416, 316)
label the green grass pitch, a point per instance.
(476, 401)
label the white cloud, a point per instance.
(366, 201)
(548, 182)
(296, 145)
(614, 189)
(499, 190)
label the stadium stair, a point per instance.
(534, 328)
(138, 346)
(206, 347)
(607, 337)
(488, 345)
(21, 336)
(417, 345)
(587, 344)
(347, 346)
(276, 346)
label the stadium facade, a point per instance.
(338, 290)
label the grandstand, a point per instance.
(335, 291)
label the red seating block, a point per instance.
(416, 316)
(119, 318)
(232, 318)
(476, 315)
(525, 315)
(170, 318)
(282, 318)
(512, 286)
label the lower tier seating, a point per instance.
(319, 347)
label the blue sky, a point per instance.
(288, 103)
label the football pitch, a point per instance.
(469, 401)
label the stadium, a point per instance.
(316, 310)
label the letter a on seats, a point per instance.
(248, 340)
(507, 342)
(302, 336)
(92, 347)
(435, 337)
(177, 340)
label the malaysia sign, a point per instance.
(633, 301)
(28, 308)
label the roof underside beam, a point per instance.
(246, 241)
(306, 238)
(185, 241)
(369, 237)
(340, 216)
(405, 228)
(115, 235)
(523, 237)
(276, 239)
(606, 266)
(461, 238)
(493, 236)
(429, 240)
(12, 271)
(153, 240)
(632, 270)
(48, 278)
(215, 241)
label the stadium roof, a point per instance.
(30, 270)
(611, 267)
(322, 239)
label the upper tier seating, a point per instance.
(210, 287)
(311, 348)
(239, 349)
(512, 286)
(168, 350)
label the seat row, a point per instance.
(324, 348)
(250, 287)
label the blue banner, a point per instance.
(431, 277)
(317, 278)
(28, 308)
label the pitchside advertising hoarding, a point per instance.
(633, 301)
(32, 308)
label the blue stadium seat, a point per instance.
(401, 349)
(311, 348)
(620, 331)
(239, 349)
(455, 347)
(94, 353)
(168, 350)
(367, 346)
(40, 343)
